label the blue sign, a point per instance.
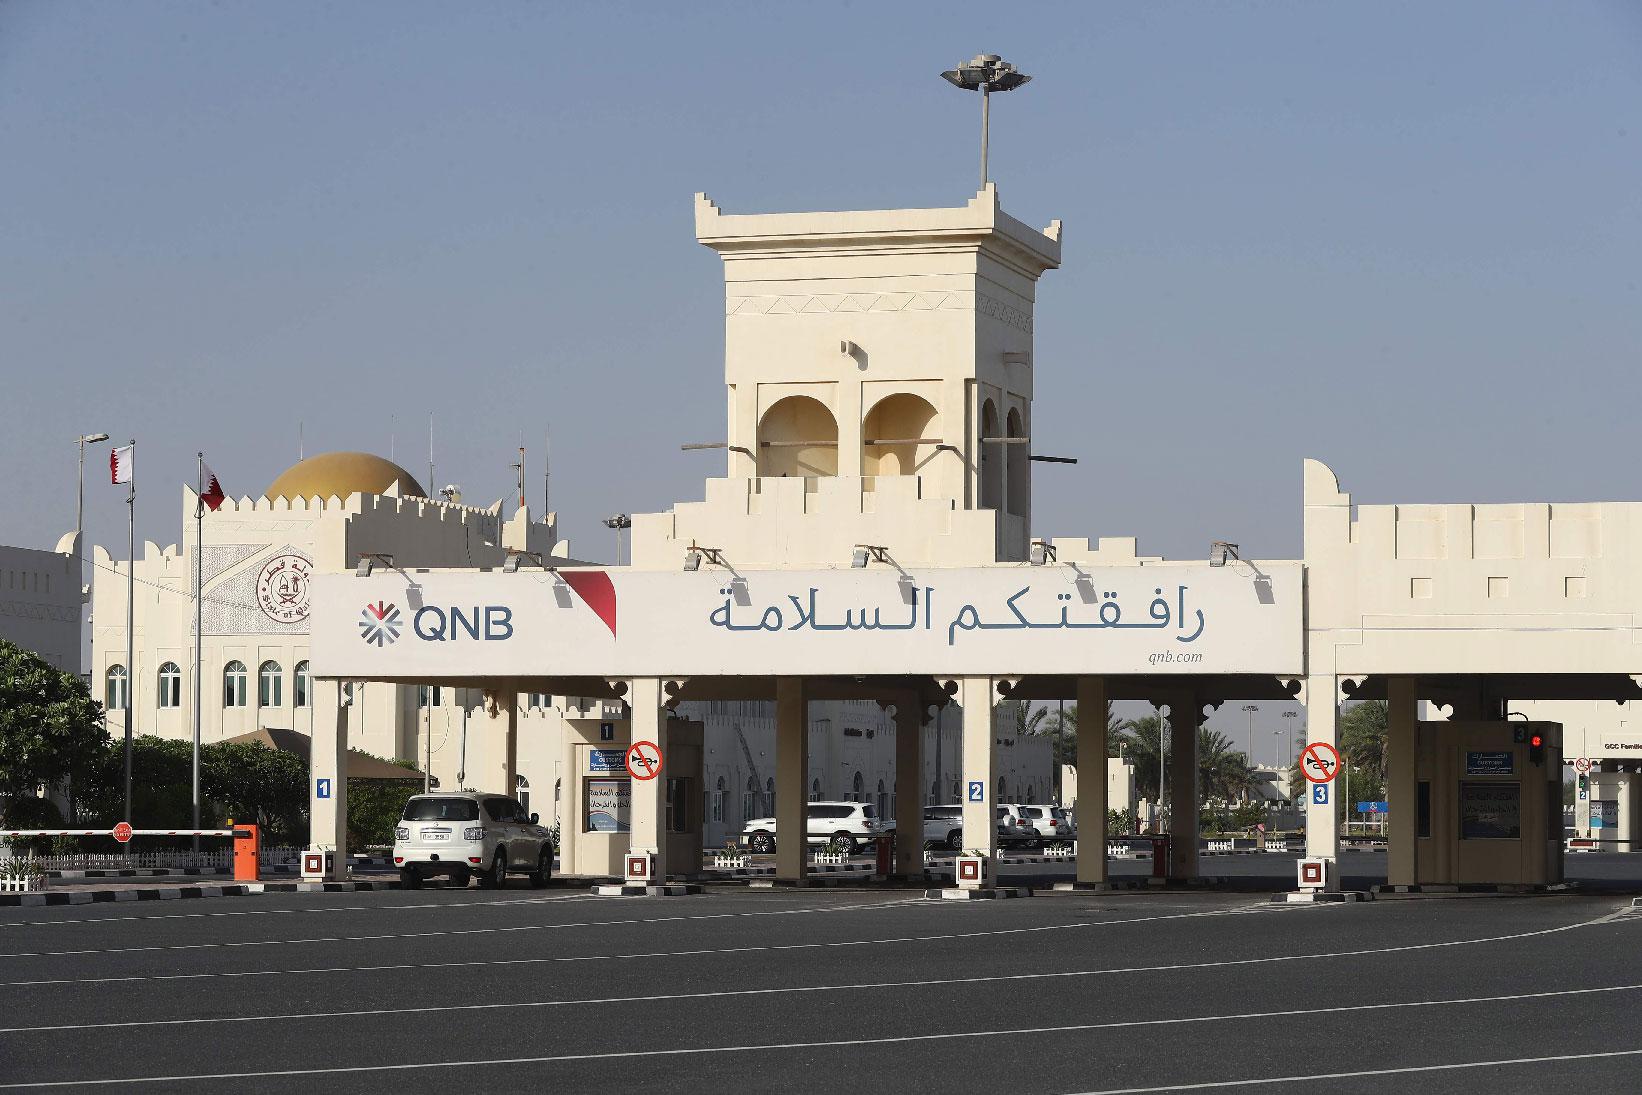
(977, 790)
(607, 760)
(607, 731)
(322, 788)
(1373, 808)
(1319, 794)
(1502, 763)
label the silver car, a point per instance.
(465, 834)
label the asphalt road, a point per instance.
(821, 991)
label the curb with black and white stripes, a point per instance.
(98, 897)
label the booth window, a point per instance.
(607, 806)
(1424, 829)
(678, 804)
(1490, 811)
(430, 696)
(170, 685)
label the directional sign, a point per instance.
(122, 832)
(1379, 806)
(1582, 765)
(644, 760)
(1320, 762)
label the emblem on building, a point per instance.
(379, 624)
(283, 588)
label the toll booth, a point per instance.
(594, 828)
(1487, 806)
(1615, 808)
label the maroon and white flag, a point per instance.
(119, 463)
(210, 490)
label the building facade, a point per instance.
(41, 602)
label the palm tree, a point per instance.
(1223, 774)
(1063, 726)
(1144, 747)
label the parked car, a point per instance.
(1024, 829)
(1047, 822)
(462, 834)
(944, 827)
(847, 823)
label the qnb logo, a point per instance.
(488, 623)
(380, 624)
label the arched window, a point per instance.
(270, 681)
(955, 797)
(892, 422)
(302, 685)
(1003, 794)
(934, 792)
(883, 801)
(114, 688)
(815, 790)
(233, 684)
(798, 436)
(1016, 461)
(521, 791)
(991, 457)
(769, 797)
(749, 805)
(170, 686)
(857, 788)
(718, 800)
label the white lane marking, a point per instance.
(234, 944)
(846, 1043)
(69, 921)
(773, 947)
(855, 987)
(1503, 1062)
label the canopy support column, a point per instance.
(1092, 708)
(328, 776)
(792, 768)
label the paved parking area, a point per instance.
(821, 991)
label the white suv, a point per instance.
(468, 833)
(1050, 822)
(944, 827)
(845, 823)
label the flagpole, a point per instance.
(199, 642)
(130, 624)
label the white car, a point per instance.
(1047, 822)
(463, 834)
(944, 827)
(847, 824)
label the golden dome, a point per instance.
(341, 474)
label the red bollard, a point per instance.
(247, 853)
(1160, 856)
(886, 853)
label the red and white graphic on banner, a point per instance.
(643, 760)
(1320, 762)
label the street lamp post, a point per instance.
(617, 522)
(1287, 752)
(986, 73)
(1250, 709)
(80, 494)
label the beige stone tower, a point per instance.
(879, 378)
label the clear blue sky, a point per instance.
(1402, 238)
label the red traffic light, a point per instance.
(1536, 741)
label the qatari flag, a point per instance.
(119, 463)
(210, 490)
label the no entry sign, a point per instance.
(122, 832)
(1320, 762)
(644, 760)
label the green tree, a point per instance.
(253, 783)
(376, 805)
(50, 730)
(1362, 735)
(1224, 773)
(1143, 747)
(1062, 727)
